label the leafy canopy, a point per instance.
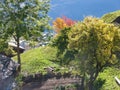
(96, 43)
(62, 23)
(23, 18)
(62, 27)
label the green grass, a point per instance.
(35, 60)
(109, 17)
(106, 79)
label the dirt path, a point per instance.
(50, 84)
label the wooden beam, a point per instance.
(117, 80)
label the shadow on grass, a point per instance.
(99, 83)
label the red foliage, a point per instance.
(61, 23)
(69, 22)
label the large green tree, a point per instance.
(96, 43)
(23, 18)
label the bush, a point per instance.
(106, 79)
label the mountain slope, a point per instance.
(109, 17)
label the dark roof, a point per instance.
(117, 20)
(110, 17)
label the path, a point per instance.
(50, 84)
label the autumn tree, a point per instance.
(69, 22)
(96, 43)
(62, 23)
(62, 27)
(23, 18)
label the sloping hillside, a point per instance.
(35, 60)
(109, 17)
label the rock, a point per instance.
(7, 66)
(7, 71)
(49, 69)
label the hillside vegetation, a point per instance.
(109, 17)
(35, 60)
(106, 79)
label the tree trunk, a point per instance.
(92, 79)
(91, 85)
(18, 54)
(82, 87)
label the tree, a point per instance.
(62, 23)
(62, 27)
(69, 22)
(96, 43)
(59, 24)
(3, 45)
(23, 18)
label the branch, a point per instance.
(15, 37)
